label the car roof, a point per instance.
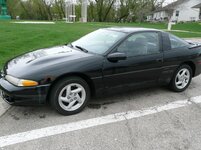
(130, 29)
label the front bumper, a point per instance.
(23, 95)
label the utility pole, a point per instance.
(84, 10)
(70, 11)
(66, 10)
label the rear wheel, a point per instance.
(181, 79)
(69, 96)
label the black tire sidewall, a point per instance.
(59, 86)
(173, 84)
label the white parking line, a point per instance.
(59, 129)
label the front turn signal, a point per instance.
(28, 83)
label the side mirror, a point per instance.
(116, 56)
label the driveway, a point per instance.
(152, 118)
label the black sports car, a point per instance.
(107, 59)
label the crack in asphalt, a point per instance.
(5, 111)
(129, 132)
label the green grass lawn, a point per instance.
(16, 39)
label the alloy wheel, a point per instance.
(182, 78)
(72, 97)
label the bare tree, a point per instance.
(59, 6)
(98, 10)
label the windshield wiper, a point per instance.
(82, 49)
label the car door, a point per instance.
(176, 51)
(142, 65)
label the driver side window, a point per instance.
(139, 44)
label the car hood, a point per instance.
(42, 58)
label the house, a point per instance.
(162, 14)
(181, 10)
(198, 6)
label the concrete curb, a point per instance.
(3, 107)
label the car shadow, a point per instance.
(44, 111)
(118, 95)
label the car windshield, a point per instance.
(99, 41)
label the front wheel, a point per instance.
(181, 79)
(69, 96)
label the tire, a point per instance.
(70, 95)
(178, 83)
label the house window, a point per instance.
(177, 13)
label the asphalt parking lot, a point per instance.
(176, 128)
(152, 118)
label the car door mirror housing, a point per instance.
(116, 56)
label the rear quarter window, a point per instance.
(176, 42)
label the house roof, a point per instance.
(178, 2)
(197, 6)
(170, 6)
